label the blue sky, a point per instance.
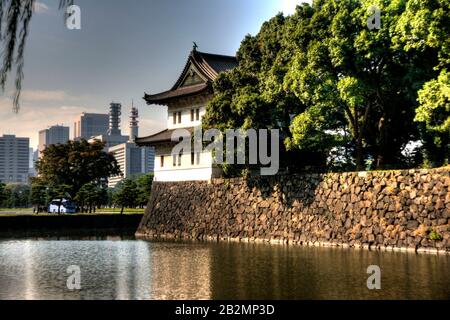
(124, 47)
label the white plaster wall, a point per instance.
(185, 117)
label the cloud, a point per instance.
(43, 95)
(32, 118)
(40, 7)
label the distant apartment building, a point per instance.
(132, 159)
(88, 125)
(52, 135)
(14, 159)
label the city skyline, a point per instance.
(108, 59)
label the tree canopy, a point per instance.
(345, 95)
(76, 164)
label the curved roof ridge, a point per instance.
(209, 65)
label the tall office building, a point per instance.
(88, 125)
(52, 135)
(14, 159)
(113, 135)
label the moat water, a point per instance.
(116, 268)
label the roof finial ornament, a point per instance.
(195, 46)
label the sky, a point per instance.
(123, 49)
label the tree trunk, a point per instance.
(121, 210)
(359, 155)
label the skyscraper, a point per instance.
(113, 136)
(88, 125)
(53, 135)
(132, 159)
(14, 159)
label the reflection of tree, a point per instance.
(15, 17)
(259, 271)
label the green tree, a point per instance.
(18, 196)
(90, 197)
(363, 76)
(38, 197)
(3, 194)
(423, 29)
(334, 87)
(126, 195)
(144, 186)
(75, 164)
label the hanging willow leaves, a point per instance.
(15, 17)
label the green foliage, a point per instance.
(126, 195)
(339, 92)
(424, 28)
(38, 197)
(144, 186)
(3, 195)
(14, 195)
(76, 164)
(90, 196)
(435, 236)
(434, 113)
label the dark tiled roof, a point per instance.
(177, 93)
(209, 65)
(160, 137)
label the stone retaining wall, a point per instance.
(386, 210)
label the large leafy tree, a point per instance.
(252, 95)
(424, 28)
(349, 90)
(363, 76)
(75, 164)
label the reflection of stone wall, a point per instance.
(406, 210)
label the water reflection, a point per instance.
(130, 269)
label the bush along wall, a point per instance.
(387, 210)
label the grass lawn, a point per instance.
(19, 210)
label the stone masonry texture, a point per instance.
(386, 210)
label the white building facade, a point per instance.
(186, 103)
